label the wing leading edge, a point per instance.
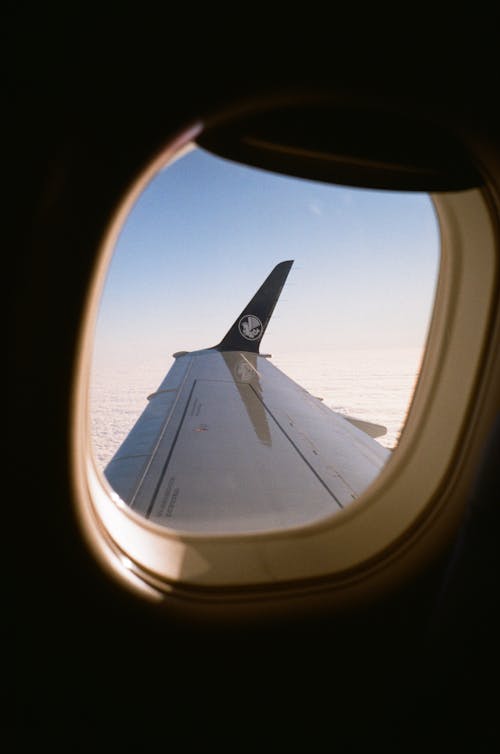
(228, 443)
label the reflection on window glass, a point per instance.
(228, 441)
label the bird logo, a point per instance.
(250, 327)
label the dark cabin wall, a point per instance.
(94, 669)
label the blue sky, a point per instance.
(206, 232)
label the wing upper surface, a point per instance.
(228, 443)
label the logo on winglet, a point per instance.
(250, 327)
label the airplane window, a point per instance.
(257, 346)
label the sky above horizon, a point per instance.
(206, 232)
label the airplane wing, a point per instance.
(228, 443)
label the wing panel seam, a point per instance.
(172, 447)
(295, 446)
(147, 465)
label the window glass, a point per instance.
(349, 327)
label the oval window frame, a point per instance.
(376, 541)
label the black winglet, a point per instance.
(249, 328)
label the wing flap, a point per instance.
(369, 428)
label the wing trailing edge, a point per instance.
(371, 429)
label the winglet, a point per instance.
(249, 328)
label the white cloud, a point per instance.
(316, 207)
